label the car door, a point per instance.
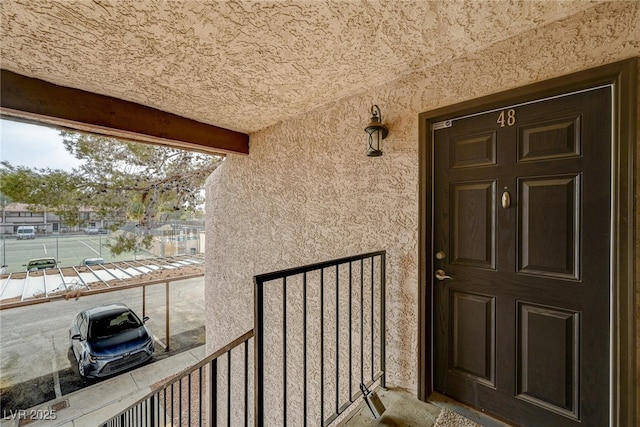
(80, 326)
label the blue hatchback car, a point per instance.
(109, 339)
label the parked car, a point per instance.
(92, 261)
(91, 230)
(109, 339)
(26, 232)
(41, 264)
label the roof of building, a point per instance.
(29, 287)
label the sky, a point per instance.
(34, 146)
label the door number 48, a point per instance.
(507, 118)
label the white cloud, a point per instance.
(34, 146)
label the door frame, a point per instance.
(623, 76)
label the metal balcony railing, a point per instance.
(320, 333)
(208, 393)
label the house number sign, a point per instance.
(507, 118)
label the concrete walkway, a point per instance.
(92, 405)
(405, 410)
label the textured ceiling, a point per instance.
(244, 65)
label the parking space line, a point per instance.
(157, 340)
(44, 246)
(97, 253)
(54, 367)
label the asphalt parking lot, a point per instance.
(35, 362)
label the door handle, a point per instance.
(441, 275)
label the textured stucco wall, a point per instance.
(307, 192)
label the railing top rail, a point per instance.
(267, 277)
(177, 377)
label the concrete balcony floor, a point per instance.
(404, 410)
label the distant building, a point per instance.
(16, 214)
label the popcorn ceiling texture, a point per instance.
(307, 192)
(245, 65)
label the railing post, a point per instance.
(259, 353)
(322, 346)
(167, 328)
(284, 346)
(304, 360)
(213, 408)
(246, 384)
(383, 309)
(152, 411)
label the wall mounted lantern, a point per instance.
(377, 131)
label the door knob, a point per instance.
(441, 275)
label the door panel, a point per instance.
(473, 331)
(521, 327)
(472, 237)
(550, 204)
(552, 139)
(474, 150)
(548, 379)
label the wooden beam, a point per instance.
(29, 99)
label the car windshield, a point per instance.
(112, 324)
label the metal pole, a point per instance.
(167, 329)
(100, 236)
(383, 321)
(57, 248)
(259, 352)
(144, 300)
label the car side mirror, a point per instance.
(76, 337)
(144, 319)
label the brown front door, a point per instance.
(522, 220)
